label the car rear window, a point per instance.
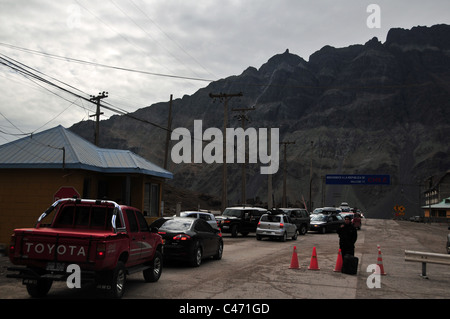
(271, 218)
(177, 225)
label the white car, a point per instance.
(202, 215)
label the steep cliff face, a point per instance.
(373, 108)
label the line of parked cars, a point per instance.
(196, 235)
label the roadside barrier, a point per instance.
(424, 258)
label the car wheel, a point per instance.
(234, 231)
(295, 236)
(118, 279)
(284, 237)
(323, 230)
(153, 273)
(303, 230)
(218, 256)
(196, 258)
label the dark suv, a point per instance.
(300, 217)
(240, 219)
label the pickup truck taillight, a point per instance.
(12, 245)
(101, 250)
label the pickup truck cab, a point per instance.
(106, 240)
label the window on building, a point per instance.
(151, 200)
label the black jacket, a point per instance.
(347, 235)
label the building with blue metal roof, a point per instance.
(38, 169)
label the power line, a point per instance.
(340, 87)
(103, 65)
(22, 69)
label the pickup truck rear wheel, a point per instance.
(153, 273)
(40, 289)
(117, 282)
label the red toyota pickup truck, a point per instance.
(105, 240)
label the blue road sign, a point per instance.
(337, 179)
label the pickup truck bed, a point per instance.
(106, 241)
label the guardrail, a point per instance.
(424, 258)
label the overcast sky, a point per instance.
(178, 46)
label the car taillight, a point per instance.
(12, 245)
(281, 225)
(162, 232)
(101, 250)
(181, 237)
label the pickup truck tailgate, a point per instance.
(52, 244)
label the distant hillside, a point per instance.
(373, 108)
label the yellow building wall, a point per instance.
(26, 194)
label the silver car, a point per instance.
(276, 226)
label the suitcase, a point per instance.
(350, 265)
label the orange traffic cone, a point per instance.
(294, 260)
(314, 265)
(380, 269)
(339, 262)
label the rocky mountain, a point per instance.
(373, 108)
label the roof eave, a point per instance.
(114, 170)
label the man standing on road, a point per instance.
(347, 237)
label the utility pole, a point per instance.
(169, 128)
(243, 117)
(310, 179)
(225, 98)
(97, 99)
(284, 204)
